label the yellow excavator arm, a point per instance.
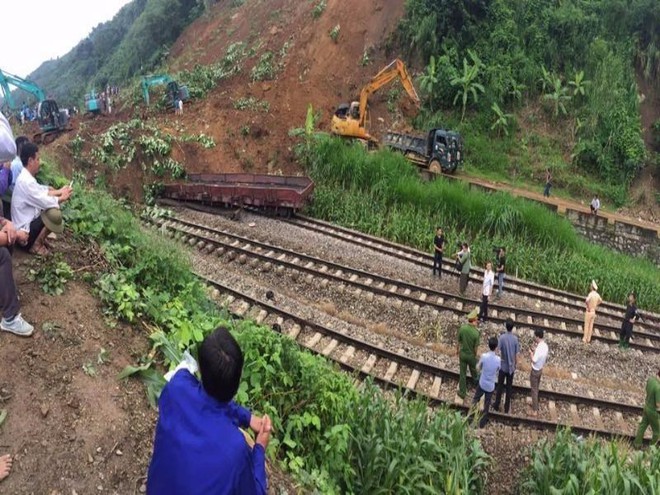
(347, 124)
(395, 69)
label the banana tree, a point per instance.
(467, 82)
(558, 97)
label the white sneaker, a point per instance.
(18, 326)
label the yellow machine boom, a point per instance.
(351, 121)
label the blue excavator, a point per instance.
(52, 121)
(174, 90)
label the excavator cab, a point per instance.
(50, 117)
(352, 122)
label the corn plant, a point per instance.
(572, 466)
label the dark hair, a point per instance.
(28, 150)
(492, 343)
(465, 244)
(538, 333)
(220, 364)
(20, 141)
(509, 324)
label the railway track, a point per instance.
(437, 385)
(512, 284)
(223, 242)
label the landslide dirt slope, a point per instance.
(316, 70)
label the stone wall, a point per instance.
(624, 237)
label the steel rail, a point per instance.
(423, 367)
(396, 284)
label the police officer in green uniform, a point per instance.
(468, 342)
(650, 415)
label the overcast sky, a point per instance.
(34, 31)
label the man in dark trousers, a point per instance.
(500, 269)
(509, 349)
(650, 416)
(468, 343)
(438, 247)
(629, 319)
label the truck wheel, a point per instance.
(435, 167)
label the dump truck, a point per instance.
(440, 151)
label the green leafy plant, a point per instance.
(502, 120)
(319, 8)
(265, 68)
(334, 33)
(467, 82)
(251, 103)
(572, 465)
(52, 275)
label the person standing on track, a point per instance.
(538, 355)
(591, 303)
(438, 247)
(500, 269)
(468, 343)
(650, 416)
(486, 290)
(629, 319)
(548, 183)
(463, 258)
(489, 364)
(509, 349)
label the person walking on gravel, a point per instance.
(591, 303)
(650, 416)
(500, 264)
(486, 290)
(509, 349)
(438, 248)
(468, 343)
(463, 264)
(538, 355)
(489, 365)
(629, 319)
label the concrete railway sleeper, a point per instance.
(420, 258)
(391, 370)
(241, 247)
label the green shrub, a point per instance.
(570, 466)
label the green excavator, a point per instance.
(174, 90)
(52, 121)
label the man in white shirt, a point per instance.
(31, 199)
(486, 290)
(538, 355)
(591, 303)
(595, 205)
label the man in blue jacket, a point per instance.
(199, 449)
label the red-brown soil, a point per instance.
(69, 431)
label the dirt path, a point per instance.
(71, 430)
(561, 203)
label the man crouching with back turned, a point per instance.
(198, 448)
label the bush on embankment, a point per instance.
(570, 466)
(330, 434)
(382, 194)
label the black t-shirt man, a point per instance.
(438, 246)
(439, 243)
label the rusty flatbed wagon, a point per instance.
(278, 194)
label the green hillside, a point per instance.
(496, 67)
(132, 43)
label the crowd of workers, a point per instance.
(494, 374)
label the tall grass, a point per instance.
(381, 193)
(573, 467)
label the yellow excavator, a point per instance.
(351, 120)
